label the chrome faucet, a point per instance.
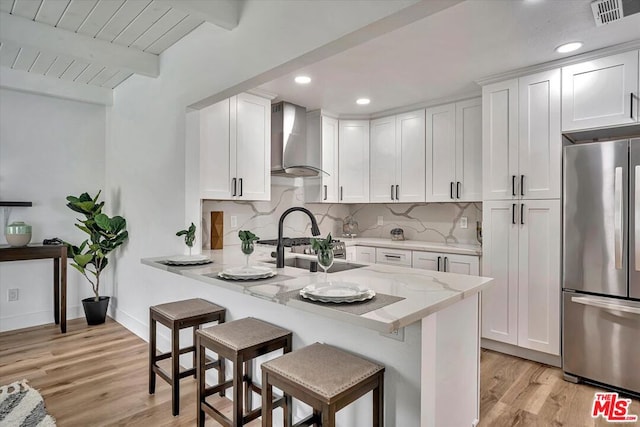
(280, 247)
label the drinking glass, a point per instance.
(325, 259)
(247, 249)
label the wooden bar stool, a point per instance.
(324, 377)
(239, 341)
(176, 316)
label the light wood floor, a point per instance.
(97, 376)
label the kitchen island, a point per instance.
(427, 335)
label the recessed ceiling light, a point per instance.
(569, 47)
(363, 101)
(303, 80)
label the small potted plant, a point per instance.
(105, 234)
(189, 236)
(247, 238)
(324, 249)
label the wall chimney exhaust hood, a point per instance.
(291, 155)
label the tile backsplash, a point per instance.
(262, 217)
(432, 222)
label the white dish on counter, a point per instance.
(247, 273)
(189, 260)
(337, 292)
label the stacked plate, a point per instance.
(247, 273)
(189, 260)
(337, 292)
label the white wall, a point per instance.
(49, 148)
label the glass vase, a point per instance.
(325, 260)
(247, 250)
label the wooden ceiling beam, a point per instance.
(223, 13)
(24, 32)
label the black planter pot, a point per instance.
(95, 311)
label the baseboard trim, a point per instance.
(27, 320)
(525, 353)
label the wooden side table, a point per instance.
(59, 255)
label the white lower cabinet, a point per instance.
(351, 253)
(521, 251)
(399, 257)
(451, 263)
(366, 254)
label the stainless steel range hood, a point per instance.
(291, 155)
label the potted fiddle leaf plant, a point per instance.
(90, 258)
(189, 236)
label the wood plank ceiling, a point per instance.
(142, 26)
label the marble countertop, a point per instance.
(414, 245)
(424, 292)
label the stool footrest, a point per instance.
(163, 356)
(312, 419)
(218, 388)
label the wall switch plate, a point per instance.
(380, 220)
(13, 295)
(463, 222)
(234, 221)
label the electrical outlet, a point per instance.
(463, 222)
(13, 295)
(380, 220)
(398, 334)
(234, 221)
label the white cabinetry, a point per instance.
(353, 159)
(322, 131)
(235, 149)
(399, 257)
(366, 254)
(521, 251)
(522, 146)
(600, 92)
(397, 158)
(351, 253)
(453, 152)
(452, 263)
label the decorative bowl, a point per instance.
(18, 234)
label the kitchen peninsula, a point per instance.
(427, 337)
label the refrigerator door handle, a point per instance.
(637, 217)
(606, 305)
(617, 220)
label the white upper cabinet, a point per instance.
(540, 139)
(397, 158)
(469, 150)
(235, 149)
(499, 140)
(441, 153)
(410, 156)
(322, 131)
(383, 160)
(353, 159)
(600, 92)
(454, 152)
(522, 146)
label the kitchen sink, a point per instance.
(304, 263)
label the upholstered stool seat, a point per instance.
(239, 341)
(176, 316)
(324, 377)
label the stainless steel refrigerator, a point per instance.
(601, 263)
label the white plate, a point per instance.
(251, 271)
(256, 277)
(188, 259)
(337, 292)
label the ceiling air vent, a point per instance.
(607, 11)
